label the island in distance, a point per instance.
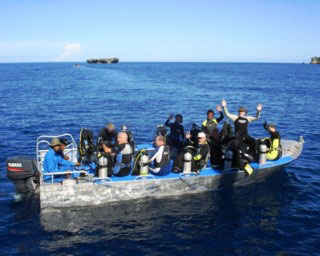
(104, 61)
(315, 60)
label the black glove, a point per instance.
(265, 125)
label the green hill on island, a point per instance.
(315, 60)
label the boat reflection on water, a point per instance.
(187, 219)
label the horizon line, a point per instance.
(128, 61)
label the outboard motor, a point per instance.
(228, 160)
(263, 150)
(144, 165)
(187, 162)
(23, 172)
(103, 166)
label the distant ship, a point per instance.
(104, 61)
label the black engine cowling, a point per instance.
(23, 172)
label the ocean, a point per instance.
(279, 216)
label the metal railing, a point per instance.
(45, 139)
(52, 174)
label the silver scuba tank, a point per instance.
(144, 163)
(263, 150)
(103, 167)
(228, 160)
(187, 158)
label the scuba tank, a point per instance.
(144, 165)
(228, 160)
(103, 167)
(187, 164)
(263, 150)
(86, 148)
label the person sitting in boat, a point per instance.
(107, 140)
(200, 154)
(211, 123)
(176, 136)
(216, 148)
(124, 155)
(107, 137)
(273, 142)
(63, 145)
(241, 122)
(161, 158)
(53, 161)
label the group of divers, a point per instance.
(115, 153)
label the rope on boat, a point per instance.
(192, 186)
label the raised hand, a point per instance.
(224, 103)
(170, 116)
(259, 107)
(218, 107)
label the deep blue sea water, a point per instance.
(280, 216)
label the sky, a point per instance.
(164, 30)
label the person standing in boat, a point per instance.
(211, 123)
(161, 158)
(176, 135)
(53, 162)
(241, 122)
(124, 155)
(275, 150)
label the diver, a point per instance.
(273, 143)
(217, 144)
(125, 129)
(200, 154)
(241, 122)
(210, 124)
(107, 140)
(124, 155)
(176, 135)
(161, 158)
(107, 137)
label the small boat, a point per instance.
(28, 176)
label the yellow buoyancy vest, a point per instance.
(274, 149)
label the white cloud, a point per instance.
(70, 51)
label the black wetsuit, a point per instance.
(242, 136)
(108, 138)
(124, 155)
(176, 135)
(209, 125)
(202, 150)
(216, 151)
(275, 153)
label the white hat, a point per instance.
(201, 135)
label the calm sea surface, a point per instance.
(280, 216)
